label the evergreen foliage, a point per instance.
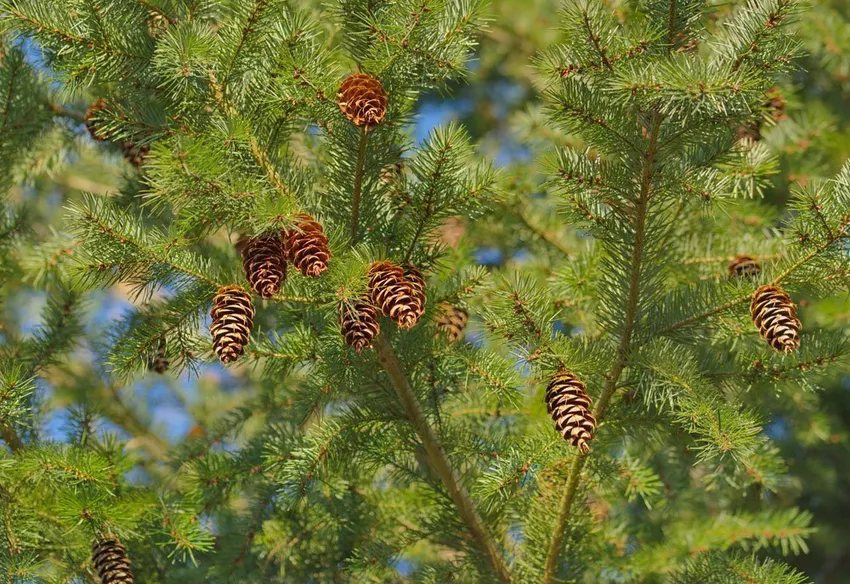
(415, 447)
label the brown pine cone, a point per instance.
(417, 282)
(775, 316)
(362, 99)
(135, 154)
(743, 266)
(393, 294)
(264, 264)
(92, 121)
(359, 323)
(451, 321)
(110, 561)
(306, 246)
(232, 319)
(159, 360)
(569, 405)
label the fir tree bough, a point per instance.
(197, 196)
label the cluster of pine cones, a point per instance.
(773, 313)
(265, 259)
(399, 294)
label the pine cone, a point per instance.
(159, 361)
(232, 319)
(392, 172)
(362, 99)
(569, 405)
(264, 264)
(743, 266)
(393, 294)
(417, 282)
(451, 321)
(775, 316)
(775, 105)
(307, 247)
(110, 561)
(93, 123)
(359, 322)
(135, 154)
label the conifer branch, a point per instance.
(746, 298)
(624, 348)
(258, 152)
(437, 457)
(358, 185)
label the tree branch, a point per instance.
(437, 458)
(624, 348)
(358, 185)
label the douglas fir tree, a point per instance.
(368, 405)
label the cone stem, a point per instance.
(437, 458)
(358, 185)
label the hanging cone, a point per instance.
(393, 294)
(743, 266)
(306, 246)
(264, 264)
(134, 153)
(359, 323)
(110, 561)
(93, 122)
(159, 361)
(417, 282)
(362, 99)
(569, 405)
(232, 319)
(451, 321)
(775, 316)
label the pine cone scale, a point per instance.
(111, 563)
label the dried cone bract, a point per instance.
(159, 360)
(232, 319)
(417, 282)
(743, 266)
(775, 316)
(92, 123)
(393, 294)
(359, 323)
(451, 321)
(362, 99)
(306, 246)
(569, 405)
(134, 153)
(264, 264)
(110, 561)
